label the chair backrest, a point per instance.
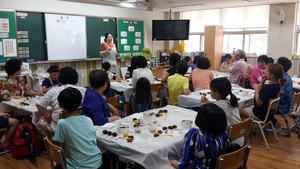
(158, 73)
(296, 100)
(272, 106)
(243, 80)
(127, 108)
(123, 71)
(240, 129)
(114, 101)
(240, 80)
(56, 154)
(234, 160)
(158, 87)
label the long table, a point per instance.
(125, 86)
(149, 151)
(245, 97)
(23, 106)
(296, 82)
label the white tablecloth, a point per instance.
(218, 74)
(245, 97)
(19, 109)
(125, 87)
(149, 151)
(296, 82)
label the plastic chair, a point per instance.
(294, 105)
(242, 129)
(272, 106)
(56, 154)
(114, 101)
(155, 88)
(234, 160)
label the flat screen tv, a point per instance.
(170, 29)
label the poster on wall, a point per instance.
(130, 37)
(8, 38)
(9, 47)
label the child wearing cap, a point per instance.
(52, 80)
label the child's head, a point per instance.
(195, 61)
(211, 119)
(262, 61)
(141, 62)
(106, 66)
(203, 63)
(174, 59)
(275, 73)
(69, 99)
(54, 71)
(98, 79)
(270, 60)
(227, 58)
(285, 63)
(187, 60)
(142, 85)
(142, 89)
(220, 88)
(68, 75)
(181, 67)
(132, 62)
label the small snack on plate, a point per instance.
(156, 135)
(159, 131)
(104, 131)
(129, 140)
(170, 127)
(134, 119)
(126, 134)
(165, 128)
(174, 126)
(160, 111)
(157, 114)
(137, 130)
(109, 133)
(131, 136)
(114, 134)
(165, 111)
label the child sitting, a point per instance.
(111, 76)
(12, 124)
(76, 134)
(201, 146)
(142, 99)
(259, 70)
(52, 80)
(226, 64)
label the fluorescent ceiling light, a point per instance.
(127, 5)
(189, 6)
(255, 0)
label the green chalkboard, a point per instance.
(95, 29)
(130, 37)
(31, 36)
(8, 45)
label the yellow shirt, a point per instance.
(176, 84)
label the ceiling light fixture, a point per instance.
(254, 0)
(190, 6)
(127, 5)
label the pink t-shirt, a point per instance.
(256, 75)
(201, 78)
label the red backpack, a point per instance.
(26, 142)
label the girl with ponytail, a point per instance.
(220, 89)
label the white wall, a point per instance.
(54, 6)
(281, 37)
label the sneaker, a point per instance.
(277, 127)
(5, 148)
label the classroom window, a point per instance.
(256, 43)
(231, 41)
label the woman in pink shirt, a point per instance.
(201, 76)
(259, 70)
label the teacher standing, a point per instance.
(109, 52)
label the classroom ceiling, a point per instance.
(184, 5)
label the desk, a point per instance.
(149, 151)
(20, 109)
(218, 74)
(194, 99)
(296, 82)
(125, 86)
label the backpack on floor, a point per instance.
(26, 142)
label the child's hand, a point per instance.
(204, 100)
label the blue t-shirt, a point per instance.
(95, 107)
(268, 92)
(286, 94)
(47, 82)
(80, 142)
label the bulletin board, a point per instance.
(130, 37)
(31, 36)
(8, 44)
(66, 37)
